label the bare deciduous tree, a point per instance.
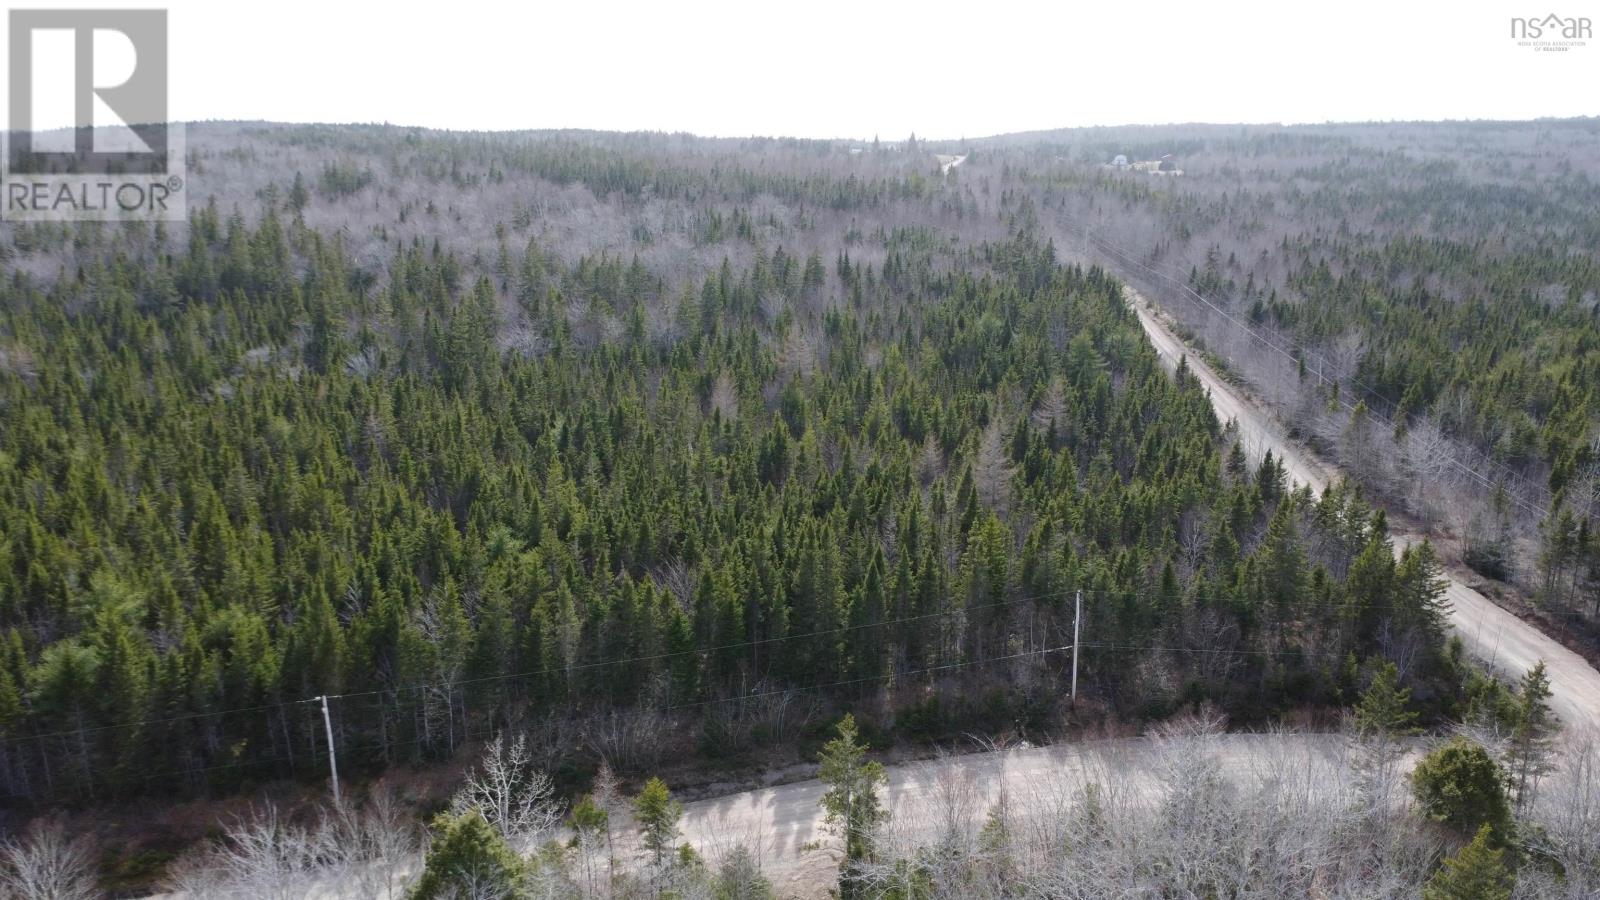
(373, 848)
(260, 855)
(513, 796)
(46, 865)
(991, 469)
(607, 795)
(631, 737)
(1566, 818)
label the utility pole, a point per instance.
(1077, 614)
(333, 761)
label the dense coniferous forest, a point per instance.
(232, 498)
(666, 450)
(250, 474)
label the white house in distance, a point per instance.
(1165, 166)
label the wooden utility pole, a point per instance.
(1077, 614)
(333, 760)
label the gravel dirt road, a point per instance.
(1492, 634)
(783, 825)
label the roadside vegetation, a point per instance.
(1374, 813)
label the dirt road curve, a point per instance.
(783, 825)
(1492, 634)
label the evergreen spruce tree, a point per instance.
(468, 858)
(658, 815)
(1461, 786)
(1531, 753)
(850, 804)
(1382, 721)
(1477, 872)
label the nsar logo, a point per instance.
(1552, 33)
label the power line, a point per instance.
(548, 670)
(1327, 604)
(146, 777)
(468, 733)
(1222, 651)
(656, 657)
(890, 676)
(897, 675)
(137, 723)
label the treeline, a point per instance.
(252, 474)
(1433, 281)
(672, 168)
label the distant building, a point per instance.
(1163, 166)
(1120, 161)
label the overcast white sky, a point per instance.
(856, 69)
